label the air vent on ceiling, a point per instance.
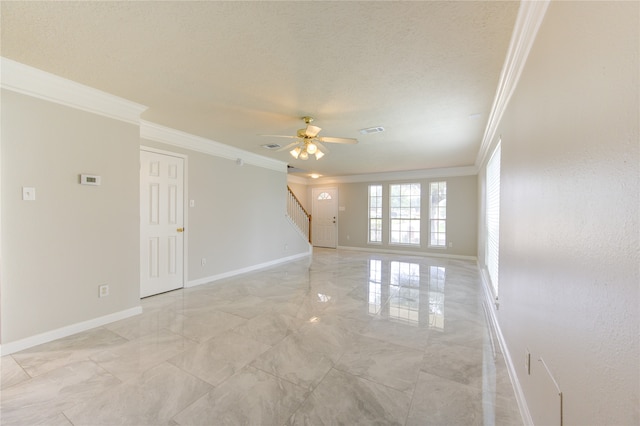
(371, 130)
(271, 146)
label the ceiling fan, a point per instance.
(309, 143)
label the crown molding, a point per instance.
(169, 136)
(528, 21)
(30, 81)
(401, 175)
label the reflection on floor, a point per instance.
(343, 338)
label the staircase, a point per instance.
(298, 215)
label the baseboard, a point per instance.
(228, 274)
(38, 339)
(490, 306)
(409, 252)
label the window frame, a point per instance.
(396, 225)
(492, 216)
(379, 218)
(439, 219)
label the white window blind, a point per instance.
(493, 217)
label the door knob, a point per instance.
(180, 229)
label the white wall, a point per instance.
(57, 249)
(569, 246)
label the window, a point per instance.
(438, 214)
(404, 200)
(375, 213)
(324, 196)
(492, 215)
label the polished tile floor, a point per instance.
(343, 338)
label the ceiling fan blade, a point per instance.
(312, 131)
(322, 147)
(280, 136)
(338, 140)
(291, 145)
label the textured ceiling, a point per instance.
(230, 71)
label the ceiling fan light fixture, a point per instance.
(312, 148)
(304, 155)
(295, 153)
(319, 154)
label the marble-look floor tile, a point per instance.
(135, 357)
(250, 397)
(391, 365)
(269, 328)
(43, 398)
(12, 373)
(203, 325)
(439, 401)
(413, 336)
(150, 399)
(461, 332)
(78, 347)
(314, 337)
(294, 360)
(151, 321)
(247, 307)
(220, 357)
(343, 399)
(458, 363)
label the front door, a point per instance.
(325, 217)
(161, 223)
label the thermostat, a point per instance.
(89, 180)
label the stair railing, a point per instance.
(298, 214)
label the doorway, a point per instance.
(325, 217)
(161, 222)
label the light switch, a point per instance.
(192, 203)
(28, 193)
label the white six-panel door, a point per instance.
(161, 223)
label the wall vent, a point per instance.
(271, 146)
(371, 130)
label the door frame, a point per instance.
(314, 195)
(185, 204)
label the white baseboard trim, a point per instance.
(408, 252)
(515, 382)
(212, 278)
(48, 336)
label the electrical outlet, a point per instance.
(103, 290)
(527, 362)
(203, 261)
(286, 247)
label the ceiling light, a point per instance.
(314, 176)
(312, 148)
(303, 152)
